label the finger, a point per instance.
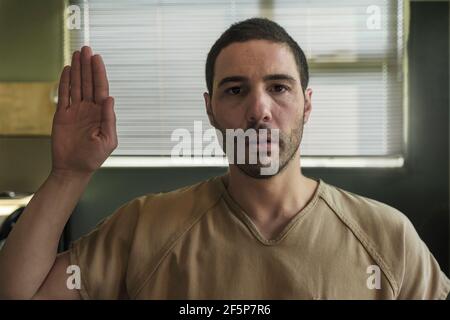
(101, 86)
(64, 88)
(108, 124)
(75, 78)
(87, 87)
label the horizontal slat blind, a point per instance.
(155, 53)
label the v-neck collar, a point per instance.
(237, 210)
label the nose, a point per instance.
(258, 108)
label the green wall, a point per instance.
(31, 49)
(31, 40)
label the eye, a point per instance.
(279, 88)
(233, 90)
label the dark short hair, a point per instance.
(255, 29)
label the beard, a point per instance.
(287, 146)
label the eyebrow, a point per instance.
(278, 76)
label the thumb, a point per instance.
(108, 124)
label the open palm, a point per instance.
(84, 125)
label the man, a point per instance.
(243, 235)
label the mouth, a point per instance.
(266, 144)
(259, 142)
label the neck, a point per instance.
(277, 198)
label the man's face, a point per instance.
(257, 85)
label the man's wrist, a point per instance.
(67, 176)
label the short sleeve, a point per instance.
(102, 254)
(422, 279)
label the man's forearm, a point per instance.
(31, 248)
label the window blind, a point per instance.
(155, 53)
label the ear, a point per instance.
(208, 107)
(308, 105)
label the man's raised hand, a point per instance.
(84, 125)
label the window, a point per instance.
(155, 53)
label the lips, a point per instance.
(259, 142)
(267, 143)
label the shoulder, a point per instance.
(179, 204)
(366, 213)
(164, 219)
(182, 203)
(383, 230)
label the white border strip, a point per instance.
(307, 162)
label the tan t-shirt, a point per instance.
(197, 243)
